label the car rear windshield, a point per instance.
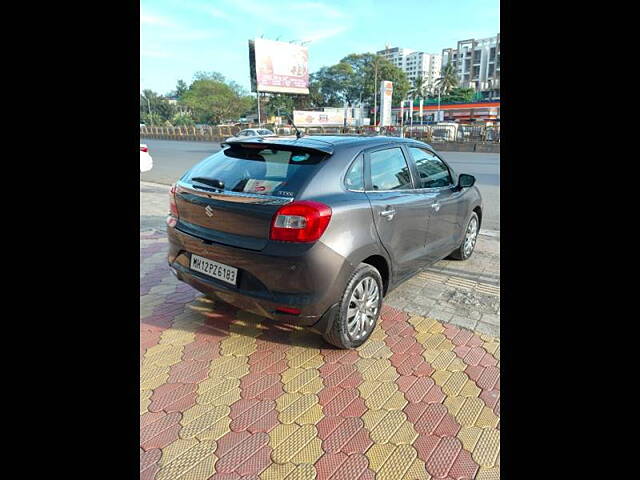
(278, 171)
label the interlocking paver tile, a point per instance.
(225, 394)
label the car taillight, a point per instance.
(172, 219)
(144, 149)
(303, 221)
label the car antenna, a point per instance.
(298, 132)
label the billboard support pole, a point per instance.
(258, 95)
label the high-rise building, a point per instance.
(415, 64)
(477, 64)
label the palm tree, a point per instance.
(418, 90)
(448, 80)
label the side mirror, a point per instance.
(465, 180)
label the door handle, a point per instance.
(388, 214)
(436, 206)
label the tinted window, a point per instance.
(432, 171)
(265, 132)
(266, 171)
(355, 177)
(389, 170)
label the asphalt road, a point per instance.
(172, 158)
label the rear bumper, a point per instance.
(311, 278)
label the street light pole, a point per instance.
(375, 96)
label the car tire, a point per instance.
(463, 252)
(343, 331)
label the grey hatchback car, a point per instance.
(316, 231)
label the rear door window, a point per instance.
(264, 171)
(389, 170)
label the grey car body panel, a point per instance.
(312, 277)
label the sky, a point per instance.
(181, 37)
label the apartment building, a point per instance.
(477, 63)
(415, 64)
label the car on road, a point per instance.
(251, 133)
(316, 231)
(146, 162)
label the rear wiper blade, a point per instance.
(214, 182)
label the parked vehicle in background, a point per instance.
(146, 162)
(251, 133)
(444, 132)
(316, 231)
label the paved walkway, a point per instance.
(228, 395)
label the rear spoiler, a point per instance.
(303, 143)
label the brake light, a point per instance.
(303, 221)
(288, 310)
(144, 149)
(172, 219)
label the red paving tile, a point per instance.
(189, 371)
(166, 396)
(425, 445)
(442, 458)
(489, 378)
(149, 463)
(464, 467)
(432, 416)
(351, 468)
(328, 464)
(448, 427)
(337, 440)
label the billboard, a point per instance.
(278, 67)
(316, 119)
(386, 93)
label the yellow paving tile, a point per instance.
(398, 463)
(381, 395)
(491, 347)
(175, 449)
(238, 346)
(454, 404)
(218, 391)
(441, 377)
(442, 361)
(379, 369)
(387, 426)
(469, 437)
(302, 380)
(176, 337)
(304, 471)
(229, 367)
(145, 400)
(153, 376)
(277, 471)
(378, 455)
(163, 355)
(454, 384)
(294, 443)
(309, 454)
(457, 365)
(434, 341)
(295, 412)
(488, 474)
(417, 471)
(371, 418)
(406, 434)
(210, 425)
(487, 418)
(395, 402)
(194, 463)
(374, 349)
(470, 411)
(470, 389)
(487, 448)
(303, 357)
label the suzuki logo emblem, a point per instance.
(209, 211)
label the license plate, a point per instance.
(214, 269)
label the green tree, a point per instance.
(213, 101)
(354, 78)
(448, 80)
(183, 119)
(459, 94)
(419, 88)
(160, 106)
(181, 88)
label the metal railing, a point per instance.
(455, 133)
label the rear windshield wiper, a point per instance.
(214, 182)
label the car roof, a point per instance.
(328, 143)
